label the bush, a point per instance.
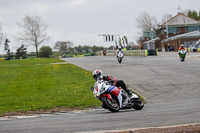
(56, 54)
(45, 51)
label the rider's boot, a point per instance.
(129, 93)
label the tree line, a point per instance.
(21, 52)
(67, 47)
(194, 14)
(34, 32)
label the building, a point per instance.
(190, 40)
(152, 44)
(147, 35)
(177, 25)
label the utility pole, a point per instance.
(167, 30)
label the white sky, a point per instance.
(80, 21)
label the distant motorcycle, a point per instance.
(120, 56)
(182, 54)
(114, 98)
(104, 52)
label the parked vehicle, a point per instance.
(182, 54)
(114, 98)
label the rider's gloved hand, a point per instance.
(109, 79)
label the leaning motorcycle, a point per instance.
(114, 98)
(182, 54)
(120, 56)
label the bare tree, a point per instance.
(63, 47)
(34, 31)
(166, 17)
(146, 22)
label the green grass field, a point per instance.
(35, 84)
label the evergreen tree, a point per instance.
(193, 14)
(6, 48)
(21, 52)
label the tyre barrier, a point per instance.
(136, 53)
(198, 50)
(2, 59)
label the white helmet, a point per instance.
(97, 74)
(182, 45)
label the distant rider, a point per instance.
(120, 50)
(97, 74)
(181, 48)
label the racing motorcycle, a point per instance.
(114, 98)
(104, 52)
(182, 54)
(120, 56)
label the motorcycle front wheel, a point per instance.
(111, 105)
(182, 59)
(119, 60)
(138, 104)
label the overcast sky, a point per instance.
(80, 21)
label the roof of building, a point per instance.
(193, 34)
(153, 40)
(181, 19)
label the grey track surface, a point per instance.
(171, 88)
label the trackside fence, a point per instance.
(130, 53)
(2, 59)
(136, 53)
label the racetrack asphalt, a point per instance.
(171, 88)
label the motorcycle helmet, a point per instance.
(97, 74)
(182, 45)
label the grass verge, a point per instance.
(36, 84)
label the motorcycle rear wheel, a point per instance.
(113, 105)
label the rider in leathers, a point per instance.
(119, 83)
(120, 50)
(182, 47)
